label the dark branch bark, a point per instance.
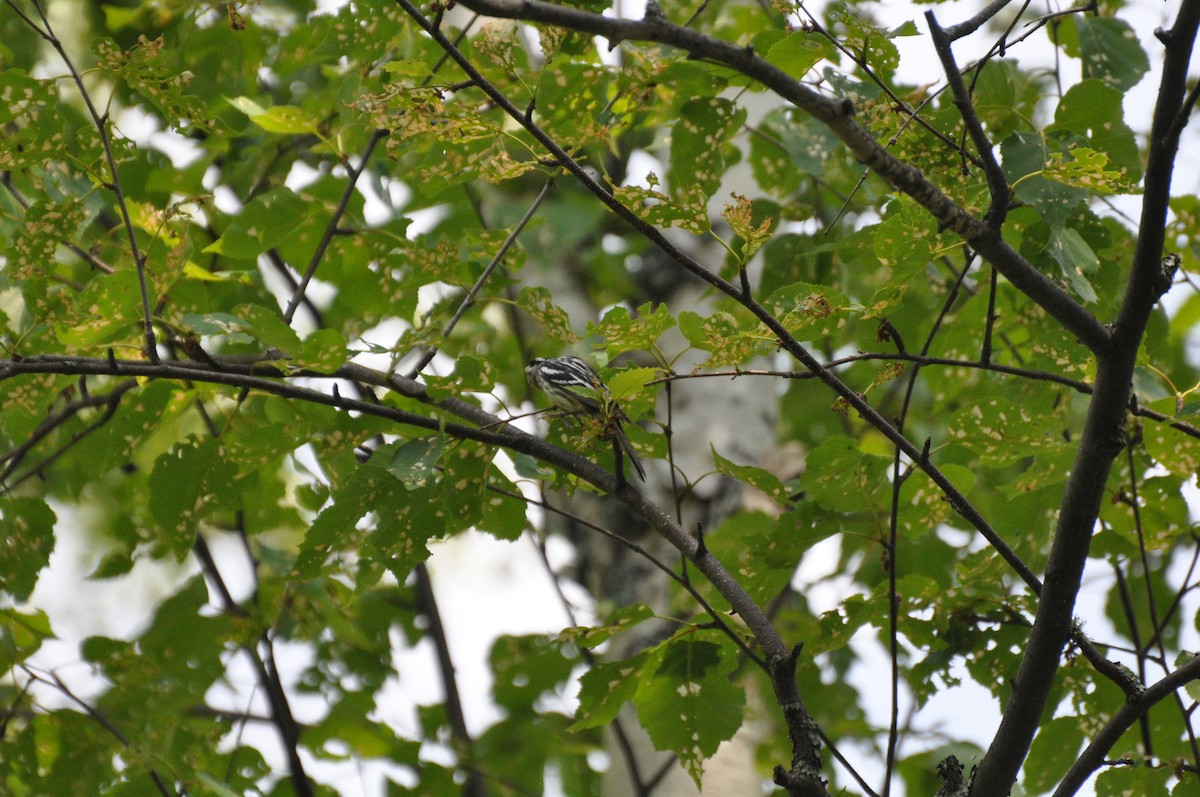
(1101, 441)
(1134, 708)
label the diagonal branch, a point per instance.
(804, 779)
(1135, 707)
(1102, 438)
(469, 300)
(837, 115)
(332, 227)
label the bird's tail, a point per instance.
(623, 441)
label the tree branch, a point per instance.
(1135, 707)
(1101, 441)
(997, 183)
(101, 122)
(804, 777)
(837, 115)
(332, 227)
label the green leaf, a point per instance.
(526, 668)
(809, 312)
(1177, 452)
(620, 619)
(759, 478)
(414, 464)
(605, 689)
(285, 119)
(1127, 781)
(1076, 259)
(21, 634)
(688, 704)
(1092, 110)
(323, 350)
(1052, 753)
(762, 550)
(841, 478)
(722, 336)
(107, 311)
(27, 527)
(1110, 50)
(799, 51)
(264, 223)
(188, 482)
(622, 332)
(698, 154)
(148, 69)
(1086, 170)
(267, 326)
(556, 325)
(631, 381)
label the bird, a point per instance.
(574, 387)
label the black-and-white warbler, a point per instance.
(573, 386)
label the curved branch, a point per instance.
(837, 115)
(998, 186)
(803, 779)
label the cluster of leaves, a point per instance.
(276, 125)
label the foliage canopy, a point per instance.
(271, 274)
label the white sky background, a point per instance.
(511, 592)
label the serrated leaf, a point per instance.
(186, 484)
(631, 381)
(722, 336)
(809, 311)
(688, 704)
(1087, 170)
(622, 332)
(740, 218)
(556, 325)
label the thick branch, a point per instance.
(1134, 708)
(1102, 439)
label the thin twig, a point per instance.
(334, 221)
(101, 122)
(99, 717)
(469, 300)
